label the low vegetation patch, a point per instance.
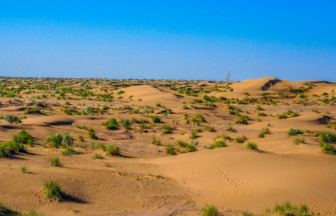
(292, 132)
(53, 190)
(287, 209)
(299, 140)
(251, 145)
(218, 144)
(209, 210)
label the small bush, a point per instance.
(97, 156)
(69, 151)
(241, 120)
(126, 124)
(232, 129)
(327, 137)
(266, 130)
(261, 114)
(328, 148)
(298, 141)
(24, 169)
(54, 140)
(166, 129)
(251, 145)
(200, 118)
(112, 150)
(209, 211)
(209, 128)
(259, 108)
(193, 134)
(111, 124)
(286, 209)
(155, 119)
(218, 144)
(11, 119)
(170, 150)
(5, 210)
(240, 139)
(67, 139)
(80, 138)
(92, 134)
(23, 136)
(156, 141)
(282, 116)
(55, 162)
(53, 190)
(261, 135)
(292, 132)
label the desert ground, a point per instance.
(166, 147)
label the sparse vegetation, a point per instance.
(251, 145)
(53, 190)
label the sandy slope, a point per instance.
(233, 179)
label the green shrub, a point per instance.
(181, 143)
(166, 129)
(261, 135)
(126, 124)
(218, 144)
(111, 124)
(240, 139)
(170, 150)
(24, 169)
(156, 141)
(328, 148)
(241, 120)
(259, 108)
(200, 118)
(193, 135)
(282, 116)
(23, 137)
(54, 140)
(155, 119)
(232, 129)
(209, 128)
(209, 211)
(10, 148)
(261, 114)
(299, 140)
(55, 162)
(80, 138)
(67, 139)
(286, 209)
(11, 119)
(6, 211)
(112, 150)
(266, 130)
(251, 145)
(53, 190)
(69, 151)
(292, 132)
(190, 148)
(97, 156)
(92, 134)
(327, 137)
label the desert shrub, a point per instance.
(241, 120)
(240, 139)
(112, 150)
(6, 211)
(251, 145)
(209, 211)
(328, 148)
(11, 119)
(80, 138)
(190, 148)
(292, 132)
(309, 132)
(156, 141)
(200, 118)
(67, 112)
(67, 139)
(126, 124)
(261, 114)
(259, 108)
(166, 129)
(232, 129)
(181, 143)
(209, 128)
(327, 137)
(69, 151)
(32, 213)
(53, 190)
(193, 134)
(282, 116)
(97, 156)
(155, 119)
(299, 140)
(55, 162)
(10, 148)
(218, 144)
(23, 136)
(24, 169)
(261, 134)
(286, 209)
(198, 130)
(294, 114)
(111, 124)
(92, 134)
(54, 140)
(170, 150)
(266, 130)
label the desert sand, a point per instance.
(143, 179)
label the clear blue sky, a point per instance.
(182, 39)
